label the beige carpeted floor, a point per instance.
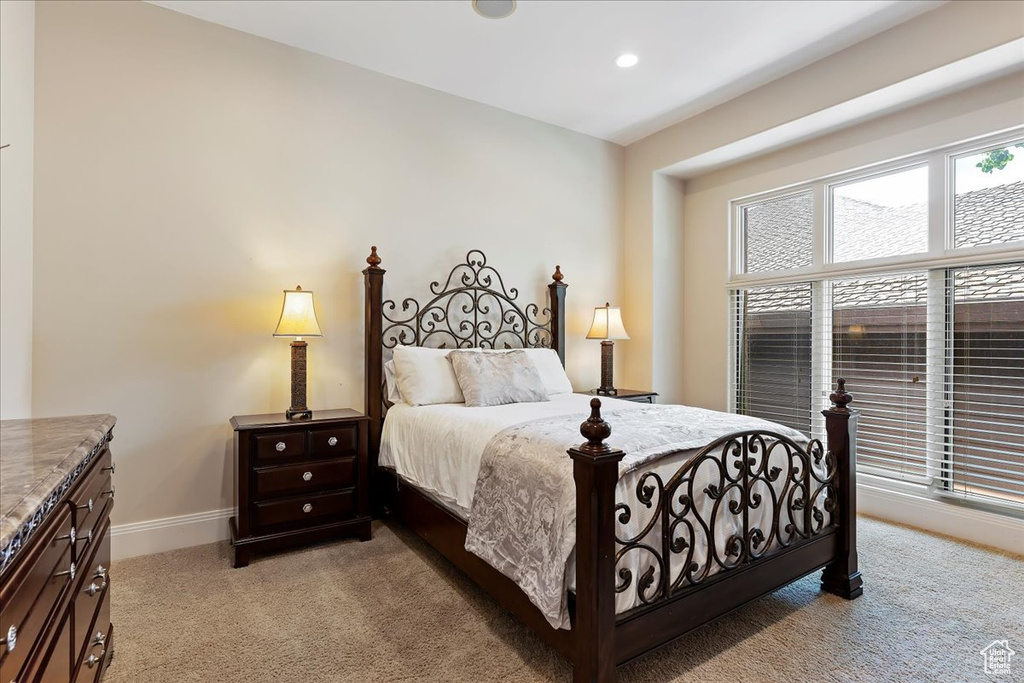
(393, 609)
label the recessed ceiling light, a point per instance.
(494, 9)
(627, 60)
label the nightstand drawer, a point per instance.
(333, 442)
(304, 478)
(281, 445)
(306, 509)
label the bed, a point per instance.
(660, 544)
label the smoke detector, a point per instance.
(494, 9)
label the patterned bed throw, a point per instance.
(523, 517)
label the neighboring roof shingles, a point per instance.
(779, 236)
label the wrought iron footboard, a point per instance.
(735, 501)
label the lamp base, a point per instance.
(298, 409)
(607, 388)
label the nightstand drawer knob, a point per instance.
(307, 476)
(333, 441)
(307, 508)
(280, 446)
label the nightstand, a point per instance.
(627, 395)
(299, 481)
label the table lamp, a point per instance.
(298, 320)
(607, 326)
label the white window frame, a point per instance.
(940, 255)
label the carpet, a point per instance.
(393, 609)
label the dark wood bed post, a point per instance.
(596, 471)
(842, 577)
(556, 299)
(374, 334)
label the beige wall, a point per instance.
(704, 349)
(17, 40)
(187, 173)
(950, 33)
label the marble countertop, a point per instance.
(39, 461)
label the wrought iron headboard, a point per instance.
(473, 308)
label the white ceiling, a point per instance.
(554, 60)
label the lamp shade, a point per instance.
(298, 319)
(607, 324)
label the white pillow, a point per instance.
(425, 377)
(551, 371)
(394, 395)
(494, 379)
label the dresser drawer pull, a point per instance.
(280, 446)
(112, 468)
(307, 507)
(109, 493)
(94, 660)
(71, 537)
(12, 638)
(93, 589)
(333, 441)
(87, 539)
(307, 476)
(99, 639)
(101, 572)
(70, 572)
(86, 506)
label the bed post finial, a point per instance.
(595, 430)
(595, 469)
(840, 399)
(557, 275)
(373, 259)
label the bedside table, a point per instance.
(627, 395)
(299, 481)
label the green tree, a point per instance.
(996, 159)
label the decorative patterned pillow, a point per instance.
(494, 379)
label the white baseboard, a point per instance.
(969, 524)
(976, 526)
(169, 533)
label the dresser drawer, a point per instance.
(306, 510)
(27, 604)
(90, 501)
(92, 597)
(280, 446)
(305, 478)
(333, 442)
(55, 666)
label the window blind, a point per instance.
(985, 430)
(773, 369)
(879, 340)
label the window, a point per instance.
(894, 205)
(916, 298)
(987, 333)
(988, 196)
(777, 233)
(775, 373)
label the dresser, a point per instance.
(56, 494)
(299, 481)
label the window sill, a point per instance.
(914, 505)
